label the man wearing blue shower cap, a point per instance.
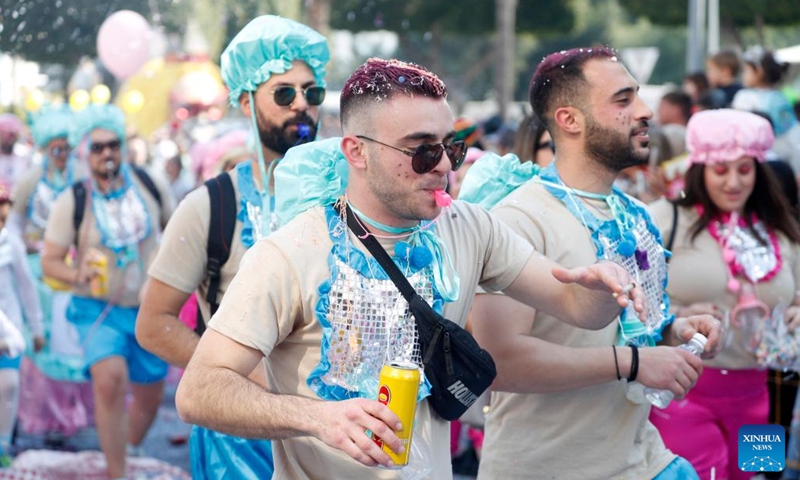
(113, 218)
(275, 71)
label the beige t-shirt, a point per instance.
(592, 432)
(123, 285)
(24, 189)
(271, 304)
(697, 273)
(183, 254)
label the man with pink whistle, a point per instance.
(326, 317)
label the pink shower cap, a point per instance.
(10, 123)
(725, 135)
(206, 156)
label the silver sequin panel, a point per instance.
(127, 219)
(371, 325)
(650, 280)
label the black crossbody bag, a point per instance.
(458, 369)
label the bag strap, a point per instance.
(383, 258)
(671, 238)
(415, 301)
(79, 193)
(222, 200)
(148, 183)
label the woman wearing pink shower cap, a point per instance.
(12, 163)
(736, 255)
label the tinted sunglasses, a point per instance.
(58, 151)
(285, 95)
(425, 157)
(114, 145)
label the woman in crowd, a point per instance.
(533, 142)
(736, 255)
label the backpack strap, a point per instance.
(79, 193)
(148, 183)
(222, 200)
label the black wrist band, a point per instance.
(634, 363)
(616, 362)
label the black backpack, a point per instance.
(222, 199)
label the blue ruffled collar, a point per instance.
(618, 231)
(250, 203)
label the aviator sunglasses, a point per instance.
(285, 95)
(425, 157)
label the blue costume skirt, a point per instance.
(216, 455)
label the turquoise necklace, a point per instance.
(422, 249)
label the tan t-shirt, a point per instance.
(592, 432)
(183, 254)
(123, 285)
(24, 189)
(697, 273)
(271, 304)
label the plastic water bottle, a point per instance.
(661, 398)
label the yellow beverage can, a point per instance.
(397, 389)
(99, 283)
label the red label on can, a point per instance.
(384, 396)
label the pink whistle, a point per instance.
(442, 198)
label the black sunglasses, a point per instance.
(285, 95)
(548, 144)
(114, 145)
(425, 157)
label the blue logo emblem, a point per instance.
(762, 448)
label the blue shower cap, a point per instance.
(492, 177)
(267, 45)
(51, 124)
(107, 117)
(311, 174)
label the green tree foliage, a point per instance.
(63, 31)
(741, 13)
(464, 17)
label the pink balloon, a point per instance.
(123, 43)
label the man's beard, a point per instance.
(280, 139)
(7, 149)
(612, 149)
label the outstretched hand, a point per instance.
(343, 425)
(608, 276)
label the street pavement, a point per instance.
(165, 441)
